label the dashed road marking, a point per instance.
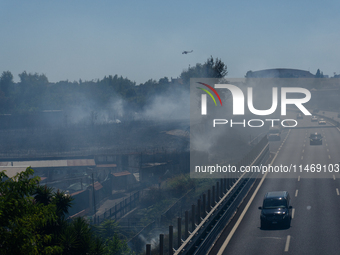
(337, 191)
(287, 243)
(334, 177)
(301, 157)
(299, 178)
(293, 212)
(296, 192)
(329, 156)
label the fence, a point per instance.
(119, 209)
(180, 204)
(217, 205)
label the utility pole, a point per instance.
(94, 200)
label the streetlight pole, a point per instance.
(94, 200)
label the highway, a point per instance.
(315, 227)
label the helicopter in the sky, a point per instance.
(186, 52)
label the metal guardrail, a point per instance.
(202, 238)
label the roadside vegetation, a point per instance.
(33, 221)
(159, 200)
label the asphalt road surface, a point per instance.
(315, 227)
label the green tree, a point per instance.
(43, 194)
(115, 243)
(115, 246)
(33, 220)
(6, 86)
(78, 238)
(319, 74)
(210, 69)
(21, 218)
(249, 74)
(31, 91)
(6, 82)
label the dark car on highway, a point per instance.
(276, 209)
(315, 139)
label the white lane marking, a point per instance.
(287, 243)
(329, 156)
(327, 150)
(334, 177)
(326, 144)
(227, 240)
(304, 145)
(301, 157)
(296, 192)
(293, 212)
(303, 151)
(270, 237)
(337, 191)
(299, 178)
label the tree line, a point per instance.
(34, 93)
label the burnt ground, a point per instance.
(96, 139)
(128, 137)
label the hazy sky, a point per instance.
(144, 40)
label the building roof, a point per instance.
(41, 163)
(136, 175)
(78, 192)
(280, 73)
(81, 162)
(146, 165)
(11, 171)
(50, 163)
(107, 165)
(97, 186)
(121, 173)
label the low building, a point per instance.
(280, 73)
(122, 180)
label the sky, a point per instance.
(142, 40)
